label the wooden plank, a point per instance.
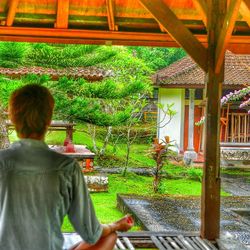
(226, 32)
(200, 243)
(11, 12)
(180, 243)
(245, 11)
(157, 243)
(201, 6)
(62, 14)
(192, 243)
(128, 243)
(110, 15)
(209, 244)
(165, 243)
(148, 234)
(210, 198)
(177, 30)
(185, 242)
(172, 242)
(120, 245)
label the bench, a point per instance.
(54, 126)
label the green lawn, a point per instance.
(105, 203)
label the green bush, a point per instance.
(194, 174)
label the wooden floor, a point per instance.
(161, 240)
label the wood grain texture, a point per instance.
(62, 14)
(226, 32)
(11, 12)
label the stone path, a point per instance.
(236, 185)
(179, 214)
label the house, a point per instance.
(183, 83)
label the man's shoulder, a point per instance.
(7, 152)
(62, 160)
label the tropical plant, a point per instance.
(159, 153)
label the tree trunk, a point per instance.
(106, 141)
(4, 138)
(93, 136)
(127, 153)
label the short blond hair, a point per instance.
(31, 109)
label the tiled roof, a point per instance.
(186, 72)
(89, 73)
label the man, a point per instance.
(38, 186)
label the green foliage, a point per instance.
(7, 86)
(46, 55)
(12, 54)
(157, 58)
(195, 174)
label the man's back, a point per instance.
(35, 194)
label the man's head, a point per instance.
(30, 110)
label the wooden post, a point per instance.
(210, 200)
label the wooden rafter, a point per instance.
(162, 28)
(11, 12)
(201, 6)
(247, 2)
(238, 44)
(245, 11)
(111, 14)
(62, 16)
(177, 30)
(226, 32)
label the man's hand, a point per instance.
(124, 224)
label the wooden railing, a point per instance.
(238, 128)
(149, 116)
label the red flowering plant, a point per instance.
(159, 153)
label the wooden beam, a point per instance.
(62, 14)
(201, 6)
(177, 30)
(210, 198)
(237, 44)
(11, 12)
(226, 32)
(162, 28)
(247, 2)
(111, 15)
(245, 11)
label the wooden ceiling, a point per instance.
(123, 22)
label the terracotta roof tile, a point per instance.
(90, 73)
(185, 72)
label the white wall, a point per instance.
(175, 129)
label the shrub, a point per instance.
(194, 174)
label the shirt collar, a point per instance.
(30, 143)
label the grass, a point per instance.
(241, 172)
(105, 203)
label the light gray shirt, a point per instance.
(38, 187)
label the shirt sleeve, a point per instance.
(81, 212)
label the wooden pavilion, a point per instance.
(204, 28)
